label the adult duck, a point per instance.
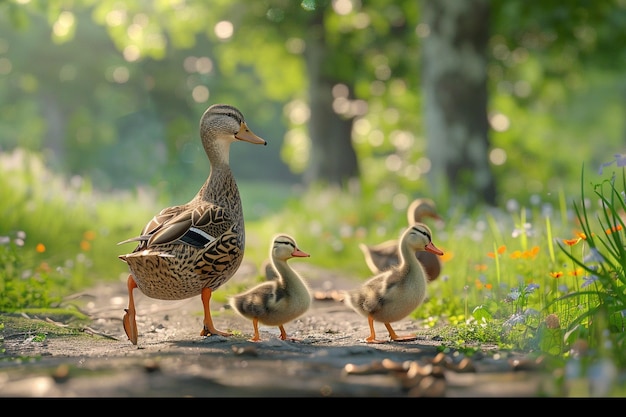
(393, 294)
(382, 256)
(279, 300)
(194, 248)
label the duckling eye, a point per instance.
(285, 242)
(423, 233)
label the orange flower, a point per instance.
(527, 254)
(614, 229)
(576, 272)
(89, 235)
(501, 250)
(571, 242)
(447, 255)
(558, 274)
(480, 267)
(581, 235)
(85, 246)
(40, 248)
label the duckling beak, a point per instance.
(299, 254)
(247, 135)
(434, 249)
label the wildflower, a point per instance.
(571, 242)
(620, 161)
(512, 205)
(576, 272)
(85, 246)
(500, 251)
(513, 320)
(594, 255)
(527, 254)
(480, 267)
(530, 288)
(513, 295)
(525, 229)
(588, 280)
(40, 248)
(89, 235)
(447, 255)
(4, 240)
(555, 275)
(613, 229)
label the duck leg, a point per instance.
(130, 324)
(372, 337)
(209, 328)
(393, 336)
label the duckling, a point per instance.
(393, 294)
(277, 301)
(194, 248)
(382, 256)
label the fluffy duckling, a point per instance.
(393, 294)
(382, 256)
(277, 301)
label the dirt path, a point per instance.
(173, 360)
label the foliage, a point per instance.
(601, 261)
(138, 127)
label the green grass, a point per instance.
(531, 276)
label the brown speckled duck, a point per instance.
(382, 256)
(194, 248)
(393, 294)
(277, 301)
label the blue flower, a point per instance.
(588, 280)
(530, 288)
(620, 161)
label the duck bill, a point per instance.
(433, 249)
(247, 135)
(299, 254)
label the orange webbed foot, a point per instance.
(210, 332)
(130, 325)
(370, 340)
(404, 338)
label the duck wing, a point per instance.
(196, 226)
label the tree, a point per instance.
(454, 80)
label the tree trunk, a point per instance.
(455, 89)
(333, 159)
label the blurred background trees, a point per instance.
(468, 102)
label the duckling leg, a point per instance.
(283, 334)
(209, 328)
(130, 325)
(393, 336)
(372, 338)
(255, 324)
